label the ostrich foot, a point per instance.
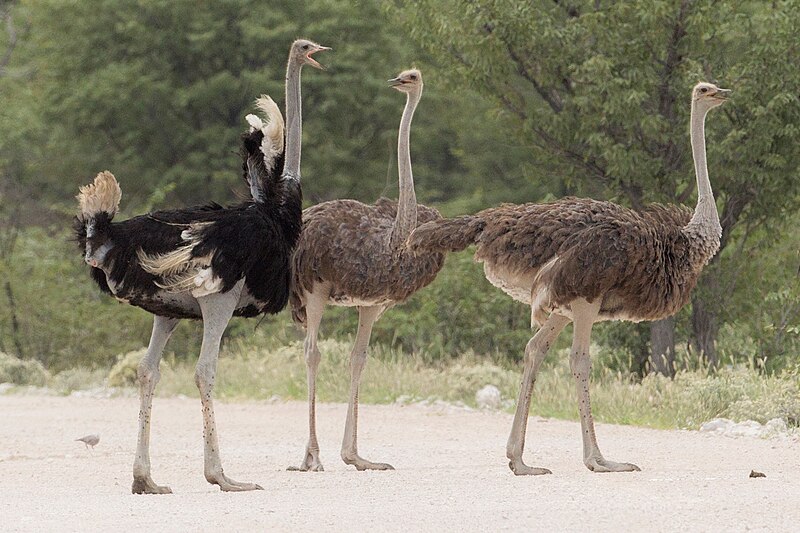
(311, 463)
(226, 484)
(146, 485)
(598, 464)
(521, 469)
(362, 464)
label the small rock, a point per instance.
(488, 397)
(404, 399)
(753, 473)
(717, 424)
(748, 428)
(776, 426)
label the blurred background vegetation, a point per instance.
(525, 101)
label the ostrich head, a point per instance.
(303, 49)
(407, 81)
(98, 243)
(99, 202)
(708, 96)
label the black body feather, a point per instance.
(251, 241)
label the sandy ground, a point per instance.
(451, 473)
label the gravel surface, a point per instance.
(451, 472)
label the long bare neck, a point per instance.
(704, 225)
(406, 219)
(294, 121)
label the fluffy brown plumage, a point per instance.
(585, 261)
(352, 254)
(641, 263)
(344, 244)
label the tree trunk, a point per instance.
(705, 327)
(662, 346)
(640, 349)
(12, 309)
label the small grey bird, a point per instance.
(89, 440)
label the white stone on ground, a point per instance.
(488, 397)
(747, 428)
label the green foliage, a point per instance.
(22, 372)
(163, 104)
(524, 101)
(599, 92)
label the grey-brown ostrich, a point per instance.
(585, 261)
(205, 262)
(352, 254)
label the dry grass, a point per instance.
(248, 371)
(262, 368)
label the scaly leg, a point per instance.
(358, 358)
(148, 378)
(535, 352)
(217, 310)
(584, 315)
(315, 304)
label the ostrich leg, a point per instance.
(584, 315)
(148, 378)
(535, 352)
(358, 358)
(217, 310)
(315, 305)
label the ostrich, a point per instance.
(204, 262)
(352, 254)
(585, 261)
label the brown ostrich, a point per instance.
(352, 254)
(585, 261)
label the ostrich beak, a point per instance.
(722, 94)
(312, 61)
(394, 82)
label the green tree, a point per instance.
(157, 92)
(599, 92)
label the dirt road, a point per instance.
(451, 473)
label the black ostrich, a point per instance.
(205, 262)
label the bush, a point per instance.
(76, 379)
(20, 372)
(125, 372)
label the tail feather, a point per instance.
(102, 196)
(272, 144)
(446, 234)
(263, 149)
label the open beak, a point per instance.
(722, 94)
(312, 61)
(395, 82)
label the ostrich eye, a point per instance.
(305, 47)
(413, 76)
(704, 90)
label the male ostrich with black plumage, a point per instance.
(585, 261)
(205, 262)
(353, 254)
